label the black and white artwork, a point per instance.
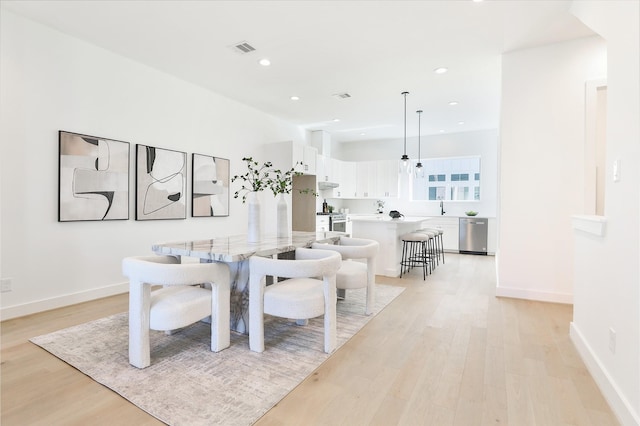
(93, 178)
(210, 186)
(161, 183)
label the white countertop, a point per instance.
(387, 219)
(363, 216)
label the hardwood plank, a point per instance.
(445, 352)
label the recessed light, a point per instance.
(362, 134)
(441, 70)
(460, 122)
(264, 62)
(441, 130)
(295, 98)
(453, 103)
(335, 120)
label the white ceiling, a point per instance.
(373, 50)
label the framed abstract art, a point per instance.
(93, 178)
(210, 186)
(161, 183)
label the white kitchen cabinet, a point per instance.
(285, 155)
(450, 227)
(348, 177)
(366, 179)
(329, 170)
(386, 179)
(309, 155)
(324, 169)
(322, 223)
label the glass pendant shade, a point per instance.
(419, 171)
(405, 165)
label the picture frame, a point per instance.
(209, 186)
(161, 184)
(93, 178)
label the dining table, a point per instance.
(235, 251)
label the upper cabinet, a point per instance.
(348, 179)
(309, 155)
(324, 169)
(387, 179)
(365, 179)
(377, 179)
(362, 179)
(285, 155)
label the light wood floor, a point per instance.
(446, 352)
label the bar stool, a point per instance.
(414, 248)
(439, 246)
(431, 253)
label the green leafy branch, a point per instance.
(260, 178)
(254, 180)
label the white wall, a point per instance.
(52, 82)
(482, 143)
(542, 165)
(607, 276)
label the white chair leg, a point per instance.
(139, 312)
(220, 307)
(330, 329)
(256, 316)
(371, 286)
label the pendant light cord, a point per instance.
(419, 154)
(404, 157)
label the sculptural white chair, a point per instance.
(354, 274)
(178, 304)
(300, 297)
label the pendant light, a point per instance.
(419, 170)
(405, 163)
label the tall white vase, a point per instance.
(282, 225)
(253, 231)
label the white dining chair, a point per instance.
(181, 301)
(301, 297)
(353, 273)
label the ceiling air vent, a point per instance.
(243, 47)
(342, 95)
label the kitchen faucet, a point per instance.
(442, 212)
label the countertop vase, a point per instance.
(282, 225)
(253, 230)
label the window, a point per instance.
(436, 192)
(453, 178)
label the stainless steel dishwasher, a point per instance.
(473, 235)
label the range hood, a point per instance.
(327, 185)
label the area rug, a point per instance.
(187, 384)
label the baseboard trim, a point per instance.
(34, 307)
(539, 296)
(619, 404)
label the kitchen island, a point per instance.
(387, 233)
